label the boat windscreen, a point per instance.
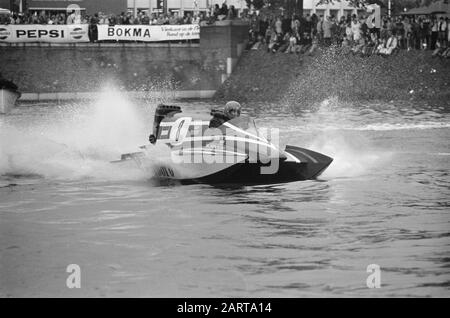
(245, 123)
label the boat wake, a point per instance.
(72, 142)
(78, 141)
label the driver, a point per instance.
(232, 109)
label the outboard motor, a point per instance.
(161, 112)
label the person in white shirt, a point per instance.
(391, 44)
(71, 18)
(196, 19)
(349, 32)
(77, 18)
(356, 29)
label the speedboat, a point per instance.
(235, 152)
(8, 96)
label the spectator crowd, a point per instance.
(300, 35)
(303, 35)
(173, 18)
(100, 18)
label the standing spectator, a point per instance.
(187, 19)
(42, 18)
(18, 19)
(102, 19)
(71, 18)
(145, 18)
(415, 38)
(135, 19)
(400, 32)
(349, 33)
(232, 13)
(61, 18)
(308, 25)
(173, 19)
(128, 19)
(263, 26)
(223, 12)
(85, 19)
(34, 19)
(356, 29)
(12, 19)
(434, 33)
(423, 34)
(390, 26)
(3, 19)
(278, 26)
(314, 20)
(254, 29)
(342, 29)
(120, 19)
(319, 28)
(296, 26)
(160, 20)
(113, 20)
(442, 36)
(363, 27)
(268, 36)
(93, 29)
(196, 19)
(408, 34)
(326, 27)
(216, 12)
(153, 19)
(77, 18)
(448, 32)
(285, 24)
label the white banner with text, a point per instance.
(149, 33)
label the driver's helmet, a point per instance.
(232, 109)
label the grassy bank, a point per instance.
(300, 79)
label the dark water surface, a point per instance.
(384, 200)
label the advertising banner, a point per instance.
(17, 33)
(149, 33)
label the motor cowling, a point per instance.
(162, 111)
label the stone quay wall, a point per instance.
(66, 71)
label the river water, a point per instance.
(384, 200)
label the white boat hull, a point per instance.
(8, 100)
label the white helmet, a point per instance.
(232, 109)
